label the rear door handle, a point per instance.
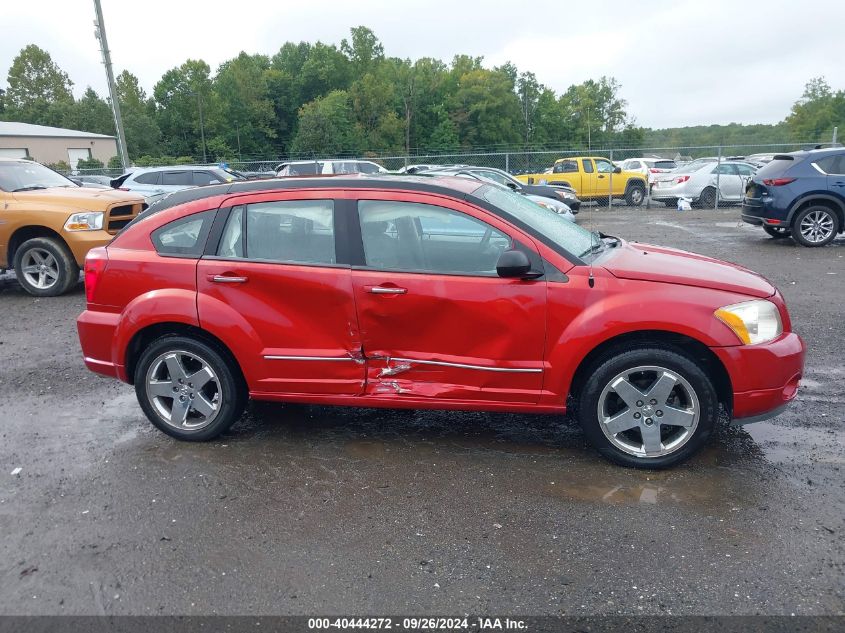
(839, 183)
(227, 279)
(386, 290)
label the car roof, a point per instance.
(448, 185)
(139, 170)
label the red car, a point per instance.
(421, 292)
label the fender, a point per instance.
(227, 324)
(641, 308)
(818, 195)
(152, 308)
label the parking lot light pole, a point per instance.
(100, 34)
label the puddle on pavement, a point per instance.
(784, 443)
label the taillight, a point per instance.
(681, 179)
(777, 182)
(656, 171)
(95, 264)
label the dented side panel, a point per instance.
(299, 323)
(452, 337)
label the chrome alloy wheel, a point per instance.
(817, 226)
(183, 390)
(648, 411)
(40, 268)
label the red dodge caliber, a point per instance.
(429, 293)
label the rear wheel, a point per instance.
(635, 195)
(188, 388)
(777, 232)
(816, 225)
(707, 199)
(45, 268)
(649, 407)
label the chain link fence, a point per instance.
(517, 161)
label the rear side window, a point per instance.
(181, 178)
(832, 164)
(150, 178)
(777, 166)
(565, 167)
(588, 166)
(291, 231)
(184, 237)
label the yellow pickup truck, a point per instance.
(591, 177)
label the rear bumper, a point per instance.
(96, 333)
(764, 377)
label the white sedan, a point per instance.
(698, 184)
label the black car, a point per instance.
(561, 193)
(800, 194)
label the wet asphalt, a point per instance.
(315, 510)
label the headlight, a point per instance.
(565, 195)
(88, 221)
(752, 321)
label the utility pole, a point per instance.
(100, 34)
(202, 129)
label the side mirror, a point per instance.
(530, 180)
(617, 170)
(512, 185)
(514, 264)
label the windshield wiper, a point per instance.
(30, 188)
(596, 246)
(613, 240)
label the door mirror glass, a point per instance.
(512, 185)
(513, 264)
(617, 170)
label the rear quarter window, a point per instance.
(777, 167)
(184, 237)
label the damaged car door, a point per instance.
(435, 318)
(272, 279)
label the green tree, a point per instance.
(180, 95)
(528, 89)
(817, 112)
(249, 119)
(34, 83)
(485, 109)
(326, 127)
(365, 51)
(597, 109)
(143, 136)
(90, 114)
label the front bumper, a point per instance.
(764, 377)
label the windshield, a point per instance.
(695, 165)
(569, 236)
(26, 176)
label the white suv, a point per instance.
(323, 167)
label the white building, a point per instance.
(51, 145)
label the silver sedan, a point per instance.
(699, 183)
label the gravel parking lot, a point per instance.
(303, 509)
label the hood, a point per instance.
(79, 197)
(645, 262)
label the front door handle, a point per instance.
(227, 279)
(386, 290)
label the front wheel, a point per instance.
(188, 388)
(635, 195)
(649, 407)
(45, 268)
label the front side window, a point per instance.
(184, 237)
(494, 176)
(205, 178)
(290, 231)
(415, 237)
(603, 166)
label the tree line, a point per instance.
(326, 100)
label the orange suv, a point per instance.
(48, 224)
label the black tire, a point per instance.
(826, 220)
(635, 195)
(607, 370)
(777, 232)
(707, 199)
(229, 385)
(66, 270)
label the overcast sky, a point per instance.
(682, 62)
